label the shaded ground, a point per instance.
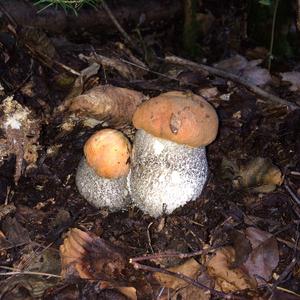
(47, 202)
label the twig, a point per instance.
(149, 237)
(157, 73)
(8, 16)
(186, 279)
(288, 244)
(289, 268)
(148, 70)
(17, 272)
(169, 254)
(66, 68)
(221, 73)
(119, 27)
(41, 56)
(287, 291)
(272, 35)
(292, 194)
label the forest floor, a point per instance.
(238, 240)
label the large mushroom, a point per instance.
(101, 176)
(168, 163)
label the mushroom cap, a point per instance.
(108, 152)
(184, 118)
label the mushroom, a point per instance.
(168, 163)
(101, 177)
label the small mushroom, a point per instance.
(168, 163)
(101, 176)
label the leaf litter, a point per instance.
(234, 241)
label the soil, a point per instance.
(45, 201)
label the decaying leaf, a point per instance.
(47, 261)
(15, 233)
(72, 251)
(21, 133)
(293, 78)
(248, 69)
(190, 268)
(192, 292)
(257, 175)
(39, 43)
(228, 279)
(264, 256)
(105, 103)
(125, 70)
(90, 257)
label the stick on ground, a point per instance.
(217, 72)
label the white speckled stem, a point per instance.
(99, 191)
(165, 175)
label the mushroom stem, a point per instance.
(165, 175)
(100, 191)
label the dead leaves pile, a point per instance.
(89, 257)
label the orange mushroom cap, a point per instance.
(108, 152)
(184, 118)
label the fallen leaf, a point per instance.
(90, 257)
(293, 78)
(241, 246)
(39, 43)
(260, 175)
(228, 279)
(105, 103)
(72, 252)
(15, 233)
(190, 268)
(193, 292)
(249, 70)
(264, 257)
(181, 289)
(47, 261)
(125, 70)
(233, 64)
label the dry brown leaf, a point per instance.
(90, 257)
(190, 268)
(227, 279)
(193, 292)
(129, 292)
(260, 175)
(105, 103)
(39, 43)
(72, 252)
(264, 257)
